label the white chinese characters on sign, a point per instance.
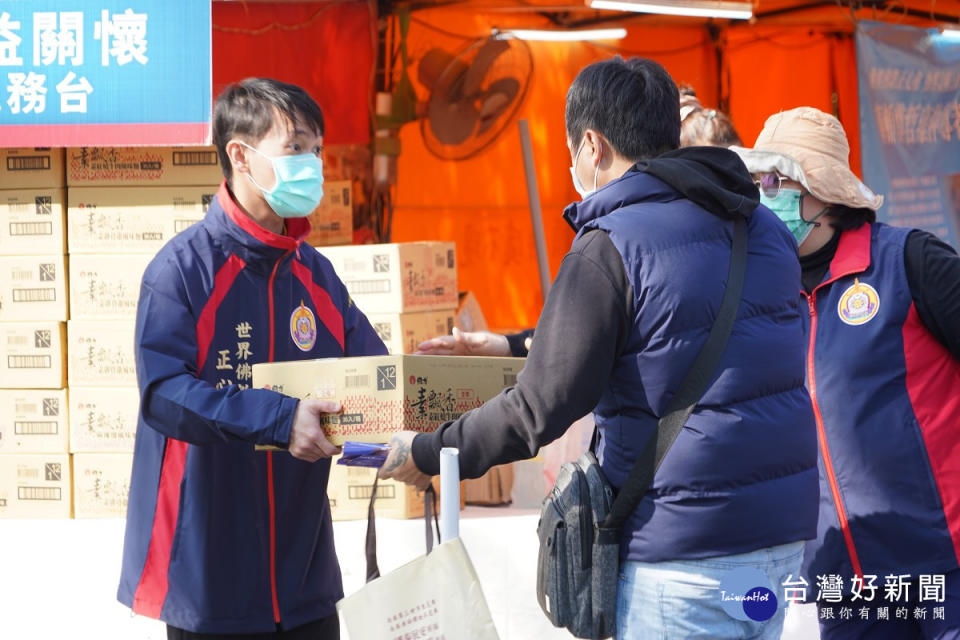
(58, 40)
(122, 36)
(73, 95)
(53, 45)
(9, 41)
(26, 92)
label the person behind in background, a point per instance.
(701, 127)
(633, 303)
(222, 540)
(883, 369)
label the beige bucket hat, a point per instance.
(810, 146)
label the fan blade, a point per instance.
(496, 100)
(488, 54)
(451, 122)
(438, 69)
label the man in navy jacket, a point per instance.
(221, 538)
(631, 307)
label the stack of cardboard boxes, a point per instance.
(34, 466)
(124, 205)
(408, 291)
(111, 210)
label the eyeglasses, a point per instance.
(769, 184)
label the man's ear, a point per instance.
(238, 157)
(594, 144)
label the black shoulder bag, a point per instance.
(581, 523)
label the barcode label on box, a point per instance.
(39, 493)
(29, 362)
(18, 341)
(509, 379)
(363, 492)
(353, 382)
(35, 295)
(31, 228)
(35, 428)
(180, 225)
(194, 158)
(368, 286)
(28, 472)
(28, 163)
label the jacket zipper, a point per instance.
(822, 438)
(270, 496)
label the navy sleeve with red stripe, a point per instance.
(933, 272)
(174, 401)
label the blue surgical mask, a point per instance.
(787, 205)
(299, 187)
(576, 181)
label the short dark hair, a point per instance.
(633, 103)
(844, 218)
(245, 109)
(708, 127)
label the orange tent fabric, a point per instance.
(481, 203)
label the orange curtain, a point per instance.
(481, 203)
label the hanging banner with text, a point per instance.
(104, 72)
(909, 82)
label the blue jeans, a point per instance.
(688, 599)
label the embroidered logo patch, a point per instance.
(858, 304)
(303, 327)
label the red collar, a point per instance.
(852, 256)
(297, 228)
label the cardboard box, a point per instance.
(142, 166)
(384, 394)
(469, 315)
(35, 485)
(349, 490)
(101, 484)
(402, 332)
(33, 421)
(103, 419)
(332, 222)
(33, 288)
(492, 488)
(398, 278)
(106, 287)
(31, 168)
(100, 353)
(132, 219)
(33, 355)
(32, 222)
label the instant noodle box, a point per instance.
(384, 394)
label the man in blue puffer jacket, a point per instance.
(223, 539)
(631, 307)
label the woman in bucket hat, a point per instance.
(883, 370)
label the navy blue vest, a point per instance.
(742, 474)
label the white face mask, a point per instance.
(573, 172)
